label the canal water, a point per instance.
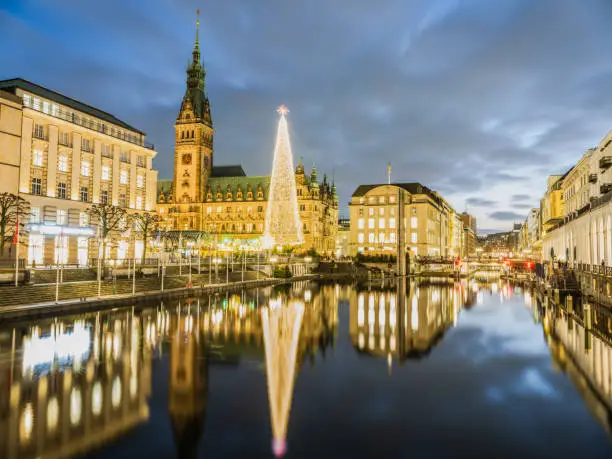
(408, 370)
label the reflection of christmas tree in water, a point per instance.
(283, 225)
(281, 330)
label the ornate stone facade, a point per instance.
(223, 200)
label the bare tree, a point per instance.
(107, 218)
(147, 224)
(12, 207)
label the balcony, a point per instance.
(605, 162)
(593, 178)
(605, 188)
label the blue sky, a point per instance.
(480, 100)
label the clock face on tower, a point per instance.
(187, 158)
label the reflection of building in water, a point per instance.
(281, 329)
(404, 322)
(75, 386)
(585, 355)
(291, 325)
(188, 383)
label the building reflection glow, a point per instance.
(71, 384)
(405, 320)
(582, 351)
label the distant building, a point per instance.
(71, 155)
(469, 241)
(430, 223)
(343, 237)
(503, 244)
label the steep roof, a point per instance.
(25, 85)
(229, 170)
(164, 186)
(241, 181)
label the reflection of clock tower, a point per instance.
(193, 152)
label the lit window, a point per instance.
(360, 223)
(209, 210)
(85, 144)
(75, 406)
(392, 237)
(381, 200)
(371, 211)
(85, 168)
(123, 178)
(35, 215)
(381, 211)
(371, 238)
(381, 237)
(139, 181)
(37, 186)
(36, 104)
(104, 197)
(381, 223)
(62, 164)
(360, 238)
(83, 220)
(105, 173)
(139, 202)
(27, 100)
(413, 238)
(54, 109)
(414, 222)
(392, 199)
(219, 209)
(61, 217)
(392, 223)
(96, 399)
(61, 190)
(46, 107)
(52, 414)
(84, 194)
(37, 158)
(370, 223)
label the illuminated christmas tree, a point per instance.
(283, 225)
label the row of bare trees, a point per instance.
(107, 218)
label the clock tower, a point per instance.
(193, 151)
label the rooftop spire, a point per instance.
(196, 47)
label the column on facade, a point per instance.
(26, 153)
(97, 171)
(52, 160)
(116, 168)
(75, 171)
(132, 185)
(150, 187)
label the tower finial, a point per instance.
(197, 40)
(389, 173)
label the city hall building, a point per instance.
(62, 156)
(224, 202)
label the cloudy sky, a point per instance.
(478, 99)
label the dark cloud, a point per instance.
(480, 202)
(507, 215)
(464, 97)
(521, 197)
(522, 205)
